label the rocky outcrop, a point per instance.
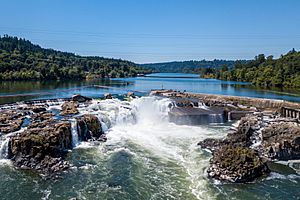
(41, 120)
(89, 127)
(244, 131)
(11, 120)
(69, 108)
(240, 136)
(281, 140)
(233, 160)
(236, 164)
(42, 149)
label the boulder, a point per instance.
(89, 127)
(69, 108)
(80, 98)
(236, 164)
(42, 149)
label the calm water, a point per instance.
(17, 91)
(145, 157)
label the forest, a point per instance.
(262, 71)
(187, 66)
(22, 60)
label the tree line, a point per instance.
(22, 60)
(192, 66)
(262, 71)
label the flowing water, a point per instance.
(145, 157)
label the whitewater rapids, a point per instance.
(145, 157)
(166, 152)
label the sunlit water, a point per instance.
(145, 157)
(12, 91)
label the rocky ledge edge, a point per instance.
(39, 139)
(255, 141)
(267, 132)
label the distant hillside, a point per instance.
(22, 60)
(187, 66)
(264, 71)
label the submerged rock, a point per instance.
(236, 164)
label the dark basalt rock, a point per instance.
(69, 108)
(38, 109)
(11, 120)
(42, 149)
(242, 136)
(80, 98)
(236, 164)
(281, 140)
(89, 127)
(41, 120)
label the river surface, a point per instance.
(12, 91)
(145, 157)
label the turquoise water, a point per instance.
(145, 157)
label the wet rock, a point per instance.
(41, 120)
(210, 143)
(246, 128)
(80, 98)
(69, 108)
(89, 127)
(42, 149)
(107, 96)
(38, 109)
(11, 120)
(281, 140)
(236, 164)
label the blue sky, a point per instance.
(146, 31)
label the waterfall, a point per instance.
(74, 131)
(4, 148)
(216, 118)
(203, 106)
(229, 116)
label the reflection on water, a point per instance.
(27, 90)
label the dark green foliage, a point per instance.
(188, 66)
(22, 60)
(266, 72)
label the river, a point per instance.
(145, 157)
